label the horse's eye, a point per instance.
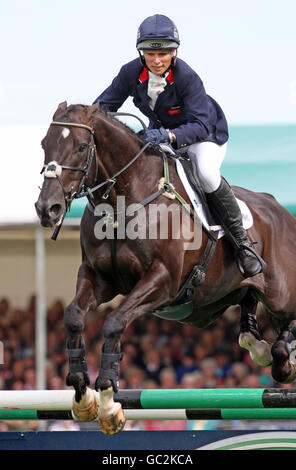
(82, 147)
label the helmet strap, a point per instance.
(142, 59)
(174, 59)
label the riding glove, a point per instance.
(156, 136)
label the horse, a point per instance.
(90, 153)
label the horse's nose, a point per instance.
(55, 210)
(38, 209)
(49, 214)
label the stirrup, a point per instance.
(249, 247)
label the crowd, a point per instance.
(156, 354)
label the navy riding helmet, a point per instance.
(157, 32)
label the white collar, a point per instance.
(156, 85)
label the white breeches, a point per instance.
(208, 160)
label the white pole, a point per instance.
(63, 400)
(40, 323)
(36, 399)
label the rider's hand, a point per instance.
(157, 136)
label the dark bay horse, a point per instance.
(84, 149)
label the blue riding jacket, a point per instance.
(183, 107)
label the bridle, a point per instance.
(54, 170)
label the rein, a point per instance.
(54, 170)
(165, 188)
(113, 180)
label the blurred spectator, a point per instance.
(29, 378)
(135, 377)
(17, 385)
(199, 353)
(147, 342)
(168, 378)
(4, 307)
(228, 382)
(207, 342)
(153, 364)
(209, 368)
(193, 380)
(64, 426)
(56, 383)
(265, 378)
(156, 354)
(93, 362)
(150, 383)
(239, 371)
(50, 371)
(55, 314)
(178, 346)
(18, 370)
(223, 359)
(188, 365)
(250, 381)
(167, 359)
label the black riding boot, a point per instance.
(224, 205)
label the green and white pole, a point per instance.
(237, 398)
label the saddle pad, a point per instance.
(198, 207)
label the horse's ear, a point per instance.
(93, 109)
(61, 109)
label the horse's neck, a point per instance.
(116, 148)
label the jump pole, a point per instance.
(162, 399)
(170, 414)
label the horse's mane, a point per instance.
(117, 121)
(103, 111)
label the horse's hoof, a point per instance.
(87, 408)
(260, 351)
(114, 423)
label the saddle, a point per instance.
(183, 156)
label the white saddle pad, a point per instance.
(198, 207)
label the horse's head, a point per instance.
(70, 161)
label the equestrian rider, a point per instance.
(173, 98)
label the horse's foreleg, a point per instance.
(283, 353)
(151, 291)
(249, 337)
(85, 403)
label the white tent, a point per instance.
(21, 162)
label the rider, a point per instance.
(172, 96)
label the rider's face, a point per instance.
(158, 61)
